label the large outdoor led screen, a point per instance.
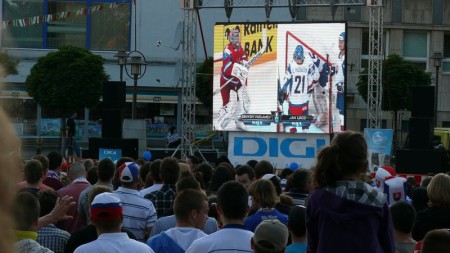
(279, 77)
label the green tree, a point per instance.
(68, 79)
(9, 66)
(204, 82)
(398, 77)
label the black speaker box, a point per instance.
(112, 123)
(411, 161)
(129, 147)
(422, 101)
(420, 133)
(114, 95)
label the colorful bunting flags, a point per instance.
(23, 22)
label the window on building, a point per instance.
(446, 62)
(91, 24)
(365, 47)
(415, 48)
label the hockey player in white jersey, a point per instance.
(300, 80)
(339, 79)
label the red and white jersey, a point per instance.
(231, 56)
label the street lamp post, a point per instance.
(437, 61)
(137, 60)
(121, 60)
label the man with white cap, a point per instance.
(270, 236)
(139, 213)
(106, 214)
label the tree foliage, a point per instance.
(9, 66)
(204, 82)
(68, 79)
(398, 77)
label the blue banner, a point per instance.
(113, 154)
(379, 145)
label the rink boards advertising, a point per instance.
(294, 76)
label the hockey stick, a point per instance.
(249, 63)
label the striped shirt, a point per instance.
(53, 238)
(139, 214)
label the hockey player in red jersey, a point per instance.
(233, 78)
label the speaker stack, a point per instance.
(420, 157)
(112, 113)
(112, 120)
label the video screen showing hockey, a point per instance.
(287, 78)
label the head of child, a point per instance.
(344, 159)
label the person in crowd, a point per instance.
(420, 196)
(191, 212)
(44, 162)
(107, 216)
(297, 230)
(244, 174)
(53, 180)
(284, 202)
(118, 164)
(403, 217)
(88, 164)
(284, 174)
(300, 184)
(222, 159)
(77, 176)
(168, 222)
(33, 175)
(26, 215)
(139, 214)
(156, 179)
(221, 175)
(164, 197)
(50, 236)
(252, 163)
(270, 236)
(232, 206)
(342, 211)
(92, 175)
(71, 144)
(193, 162)
(207, 172)
(262, 168)
(143, 172)
(172, 138)
(437, 214)
(89, 232)
(436, 241)
(264, 199)
(105, 173)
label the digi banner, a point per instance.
(379, 147)
(279, 78)
(279, 149)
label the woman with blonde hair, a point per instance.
(265, 198)
(437, 214)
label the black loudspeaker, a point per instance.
(112, 123)
(113, 95)
(420, 133)
(422, 101)
(411, 161)
(129, 147)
